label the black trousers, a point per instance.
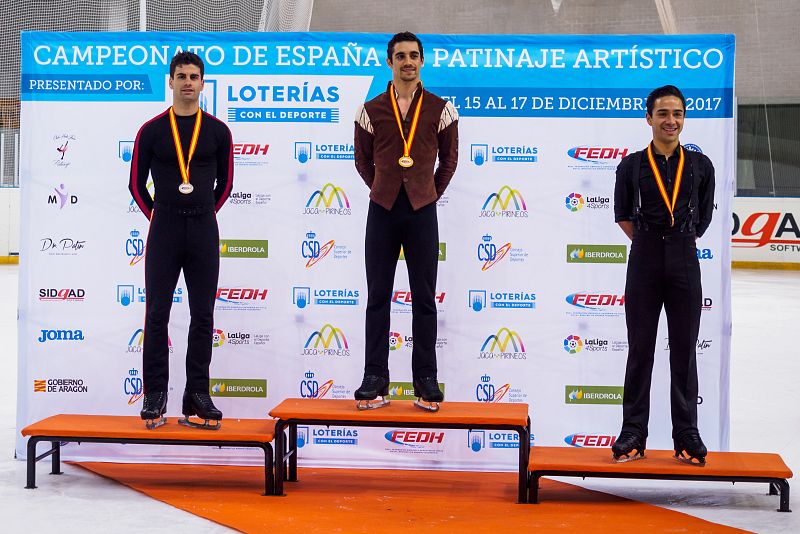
(179, 241)
(418, 233)
(663, 270)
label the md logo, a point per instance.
(62, 197)
(505, 203)
(489, 253)
(302, 151)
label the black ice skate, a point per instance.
(689, 449)
(200, 404)
(371, 387)
(153, 408)
(428, 394)
(626, 443)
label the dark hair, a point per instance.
(402, 37)
(186, 58)
(667, 90)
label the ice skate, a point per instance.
(689, 449)
(200, 404)
(371, 388)
(627, 443)
(428, 394)
(153, 409)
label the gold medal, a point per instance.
(660, 182)
(406, 161)
(185, 186)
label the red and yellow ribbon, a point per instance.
(407, 142)
(184, 164)
(660, 182)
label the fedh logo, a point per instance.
(489, 253)
(241, 298)
(577, 253)
(330, 200)
(596, 157)
(416, 441)
(250, 154)
(590, 440)
(327, 341)
(485, 391)
(505, 203)
(309, 103)
(132, 386)
(47, 335)
(310, 388)
(480, 299)
(135, 247)
(326, 436)
(777, 230)
(573, 344)
(137, 340)
(595, 304)
(125, 151)
(62, 197)
(402, 301)
(506, 344)
(62, 146)
(304, 296)
(482, 153)
(593, 394)
(62, 295)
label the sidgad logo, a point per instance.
(778, 230)
(62, 295)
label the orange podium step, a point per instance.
(463, 415)
(75, 428)
(658, 464)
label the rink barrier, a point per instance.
(660, 465)
(64, 428)
(458, 415)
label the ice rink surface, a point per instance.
(765, 417)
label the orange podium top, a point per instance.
(404, 411)
(132, 427)
(598, 460)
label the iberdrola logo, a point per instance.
(577, 254)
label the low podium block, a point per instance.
(720, 466)
(57, 429)
(463, 415)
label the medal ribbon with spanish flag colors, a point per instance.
(185, 186)
(660, 182)
(406, 160)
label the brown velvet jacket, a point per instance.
(378, 146)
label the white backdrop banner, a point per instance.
(532, 272)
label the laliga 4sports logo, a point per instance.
(505, 203)
(506, 344)
(330, 200)
(576, 202)
(327, 341)
(596, 157)
(482, 153)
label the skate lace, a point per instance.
(370, 382)
(626, 436)
(153, 399)
(204, 399)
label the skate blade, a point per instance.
(372, 404)
(629, 458)
(151, 424)
(428, 406)
(689, 460)
(203, 426)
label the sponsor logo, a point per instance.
(708, 304)
(442, 252)
(60, 385)
(398, 341)
(61, 197)
(237, 387)
(705, 254)
(304, 151)
(596, 157)
(241, 298)
(693, 148)
(395, 341)
(125, 151)
(590, 440)
(480, 299)
(593, 394)
(62, 142)
(402, 303)
(573, 344)
(135, 247)
(595, 304)
(703, 345)
(330, 200)
(304, 296)
(486, 391)
(777, 230)
(208, 98)
(217, 338)
(250, 154)
(62, 295)
(302, 103)
(597, 253)
(489, 253)
(133, 387)
(244, 248)
(327, 341)
(235, 338)
(576, 202)
(61, 246)
(493, 439)
(326, 436)
(313, 251)
(415, 440)
(505, 203)
(60, 335)
(504, 345)
(313, 388)
(246, 198)
(137, 339)
(405, 390)
(483, 153)
(128, 294)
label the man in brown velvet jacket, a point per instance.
(399, 135)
